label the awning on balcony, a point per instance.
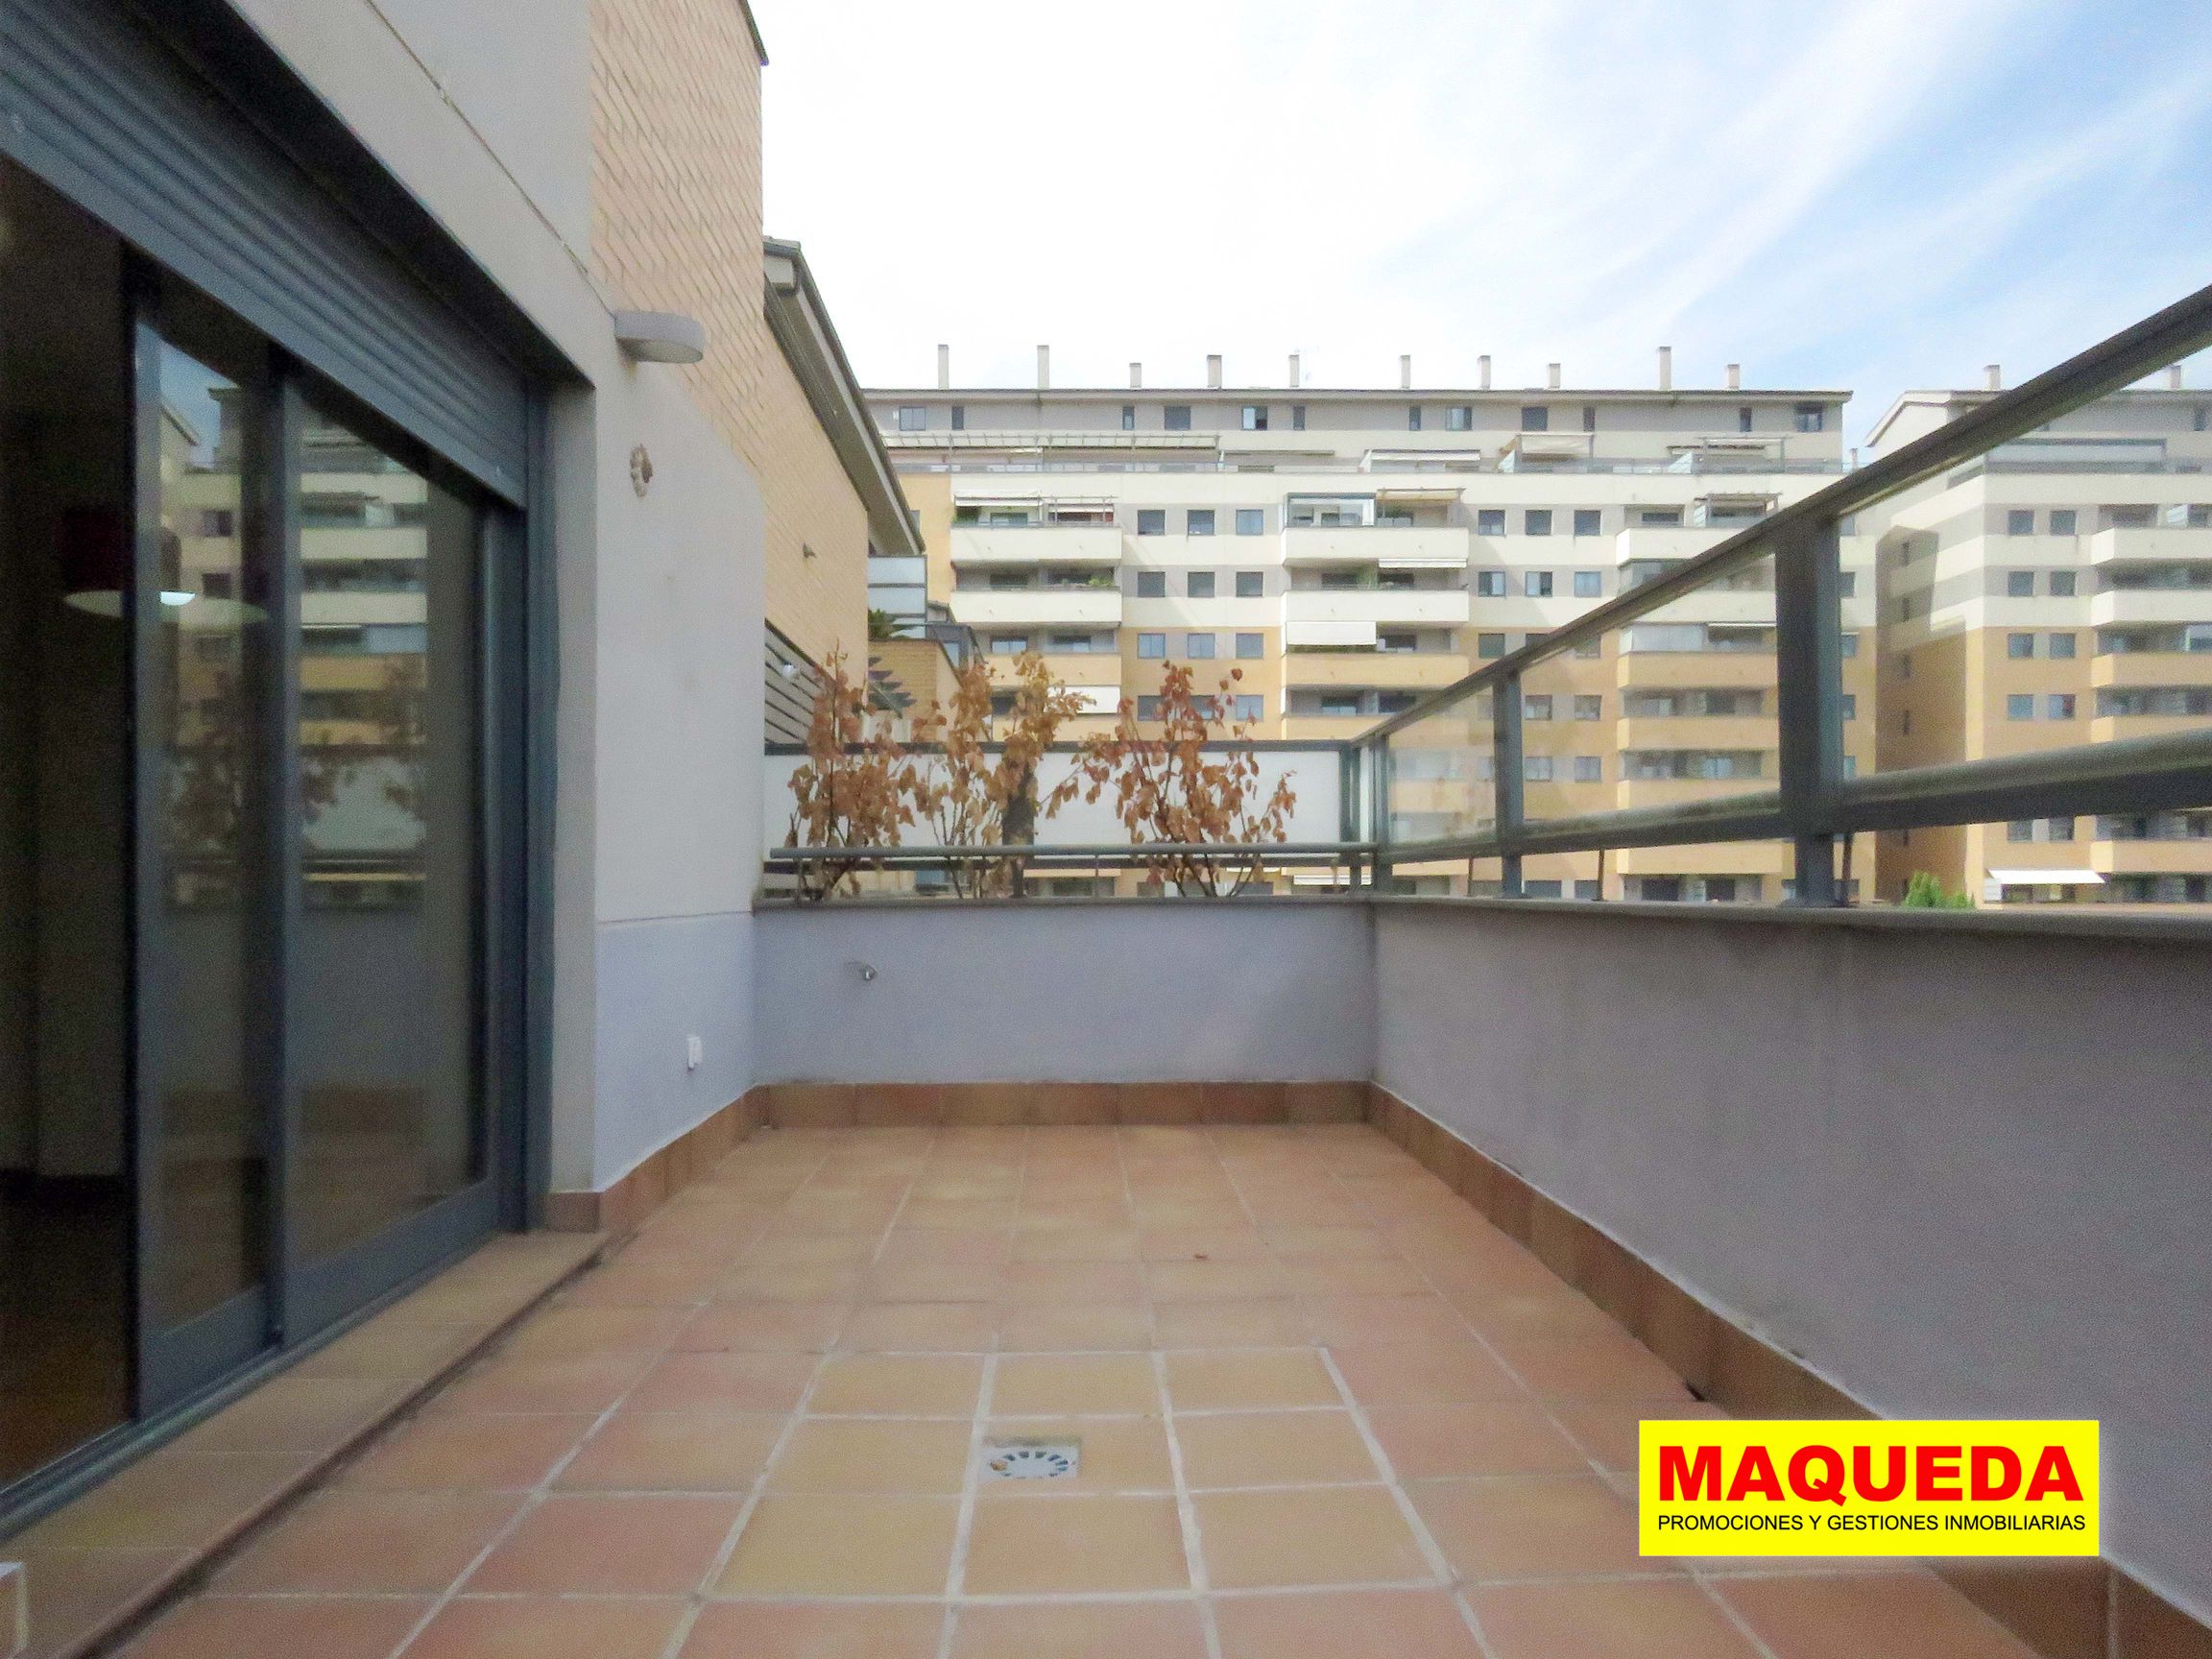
(2046, 877)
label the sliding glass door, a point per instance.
(387, 1028)
(207, 987)
(258, 662)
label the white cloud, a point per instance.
(1783, 186)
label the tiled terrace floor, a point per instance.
(1326, 1412)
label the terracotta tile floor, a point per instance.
(1326, 1412)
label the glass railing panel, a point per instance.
(1438, 774)
(1677, 708)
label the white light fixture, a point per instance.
(660, 336)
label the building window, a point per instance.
(1536, 521)
(1151, 584)
(1810, 418)
(1536, 768)
(2062, 584)
(1489, 520)
(1587, 521)
(1198, 585)
(1587, 889)
(1589, 417)
(2020, 584)
(2061, 647)
(1536, 584)
(1251, 520)
(913, 418)
(1743, 418)
(2020, 521)
(2020, 829)
(1249, 706)
(1151, 520)
(1536, 706)
(1147, 707)
(2062, 520)
(1490, 584)
(1151, 646)
(2019, 645)
(1128, 417)
(2058, 706)
(1847, 584)
(1461, 417)
(1251, 584)
(2020, 706)
(2060, 829)
(1850, 703)
(1009, 644)
(1175, 417)
(1412, 416)
(1255, 417)
(1198, 521)
(1489, 645)
(1297, 416)
(1658, 518)
(1850, 644)
(1589, 584)
(1535, 417)
(1198, 647)
(959, 416)
(1590, 649)
(1589, 705)
(1251, 647)
(1589, 769)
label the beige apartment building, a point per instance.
(1346, 551)
(2057, 594)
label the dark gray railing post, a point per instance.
(1808, 697)
(1509, 774)
(1379, 809)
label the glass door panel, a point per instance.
(207, 985)
(387, 1013)
(65, 1198)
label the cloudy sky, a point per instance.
(1867, 195)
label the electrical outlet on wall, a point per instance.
(693, 1052)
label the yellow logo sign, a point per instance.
(1806, 1488)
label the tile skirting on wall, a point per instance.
(2064, 1609)
(618, 1207)
(1042, 1104)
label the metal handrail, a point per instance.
(1816, 804)
(2126, 358)
(1130, 852)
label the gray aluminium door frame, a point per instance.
(318, 1295)
(173, 1363)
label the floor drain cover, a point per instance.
(1032, 1460)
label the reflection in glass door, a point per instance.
(387, 1008)
(206, 984)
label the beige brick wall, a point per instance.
(676, 226)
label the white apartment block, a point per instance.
(2057, 594)
(1346, 551)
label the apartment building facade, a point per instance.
(1345, 551)
(2057, 594)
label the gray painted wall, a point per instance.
(1177, 991)
(1941, 1168)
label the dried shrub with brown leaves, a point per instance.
(856, 787)
(981, 790)
(1167, 788)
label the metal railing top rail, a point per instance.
(1036, 852)
(2165, 337)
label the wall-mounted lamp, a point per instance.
(660, 336)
